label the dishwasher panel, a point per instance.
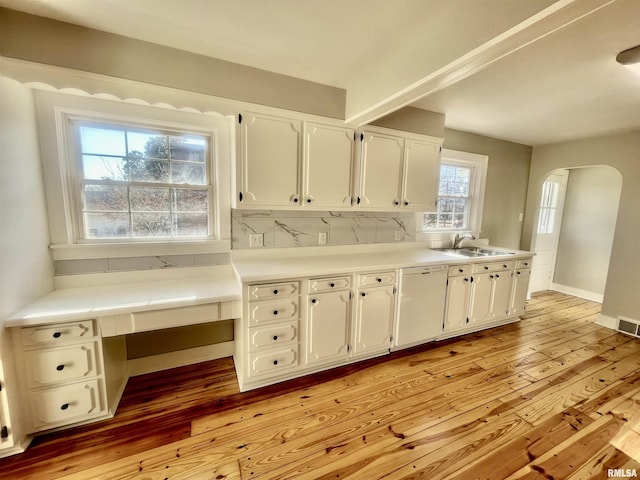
(421, 306)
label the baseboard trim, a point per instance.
(576, 292)
(606, 321)
(181, 358)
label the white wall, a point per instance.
(588, 223)
(622, 152)
(26, 269)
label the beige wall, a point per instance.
(26, 268)
(621, 152)
(41, 40)
(506, 187)
(416, 120)
(588, 224)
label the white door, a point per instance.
(501, 295)
(547, 231)
(480, 304)
(328, 324)
(270, 153)
(328, 165)
(374, 318)
(421, 175)
(457, 308)
(382, 157)
(519, 291)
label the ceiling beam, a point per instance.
(549, 20)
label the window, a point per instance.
(137, 183)
(460, 193)
(548, 207)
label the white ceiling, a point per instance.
(481, 62)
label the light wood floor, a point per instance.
(551, 397)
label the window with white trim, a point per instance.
(134, 182)
(460, 193)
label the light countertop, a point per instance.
(213, 284)
(254, 267)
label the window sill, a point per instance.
(119, 250)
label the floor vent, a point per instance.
(626, 325)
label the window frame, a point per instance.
(76, 122)
(53, 110)
(478, 164)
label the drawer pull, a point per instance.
(60, 368)
(379, 280)
(275, 338)
(332, 284)
(497, 276)
(64, 406)
(460, 270)
(57, 334)
(275, 292)
(275, 312)
(486, 268)
(504, 265)
(275, 362)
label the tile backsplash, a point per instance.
(300, 229)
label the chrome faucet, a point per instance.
(459, 238)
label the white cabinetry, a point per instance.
(270, 346)
(520, 286)
(398, 172)
(458, 294)
(375, 312)
(64, 380)
(287, 163)
(328, 320)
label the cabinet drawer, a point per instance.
(261, 313)
(51, 334)
(372, 279)
(273, 362)
(320, 285)
(456, 270)
(61, 404)
(272, 335)
(523, 263)
(53, 365)
(493, 266)
(175, 317)
(273, 290)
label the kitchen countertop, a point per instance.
(207, 285)
(267, 265)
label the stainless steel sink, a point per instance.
(472, 252)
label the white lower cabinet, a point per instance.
(328, 320)
(519, 291)
(375, 313)
(458, 295)
(64, 375)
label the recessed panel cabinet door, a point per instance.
(501, 295)
(328, 327)
(519, 291)
(457, 307)
(480, 307)
(382, 157)
(421, 175)
(374, 320)
(270, 149)
(328, 164)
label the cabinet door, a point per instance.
(519, 291)
(480, 303)
(327, 327)
(328, 166)
(374, 319)
(269, 165)
(421, 175)
(382, 157)
(457, 306)
(501, 295)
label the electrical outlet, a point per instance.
(398, 235)
(256, 240)
(322, 238)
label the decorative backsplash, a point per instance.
(157, 262)
(302, 229)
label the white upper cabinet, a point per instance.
(269, 174)
(328, 166)
(421, 175)
(398, 172)
(287, 163)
